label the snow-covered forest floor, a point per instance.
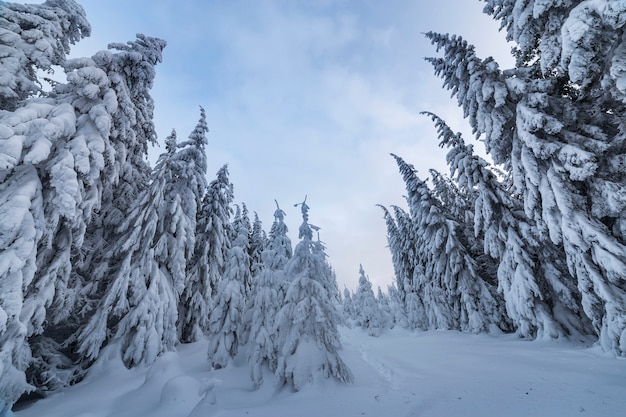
(437, 373)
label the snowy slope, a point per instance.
(438, 373)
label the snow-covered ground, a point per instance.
(439, 373)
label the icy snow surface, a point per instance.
(439, 373)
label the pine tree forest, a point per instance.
(102, 252)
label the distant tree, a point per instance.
(407, 266)
(266, 301)
(206, 267)
(384, 306)
(258, 243)
(348, 305)
(307, 321)
(367, 313)
(396, 306)
(241, 227)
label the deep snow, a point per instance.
(437, 373)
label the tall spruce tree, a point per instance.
(556, 123)
(540, 297)
(145, 265)
(131, 70)
(307, 322)
(267, 298)
(206, 268)
(47, 168)
(367, 312)
(450, 287)
(226, 317)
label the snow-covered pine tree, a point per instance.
(184, 194)
(330, 282)
(396, 306)
(555, 122)
(402, 264)
(35, 37)
(131, 70)
(258, 242)
(540, 295)
(226, 318)
(307, 321)
(206, 268)
(384, 306)
(139, 304)
(348, 306)
(241, 226)
(267, 298)
(451, 289)
(407, 266)
(367, 314)
(47, 171)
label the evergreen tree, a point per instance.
(537, 288)
(367, 313)
(50, 161)
(453, 293)
(226, 318)
(307, 322)
(258, 242)
(555, 122)
(131, 70)
(206, 267)
(266, 301)
(139, 306)
(396, 306)
(241, 226)
(185, 194)
(348, 306)
(407, 265)
(384, 305)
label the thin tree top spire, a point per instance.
(305, 231)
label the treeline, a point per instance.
(101, 252)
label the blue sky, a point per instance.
(306, 97)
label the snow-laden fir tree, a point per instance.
(348, 306)
(366, 311)
(396, 306)
(185, 194)
(555, 122)
(407, 266)
(258, 242)
(450, 287)
(46, 170)
(307, 322)
(266, 300)
(226, 318)
(540, 295)
(384, 306)
(139, 306)
(131, 70)
(206, 268)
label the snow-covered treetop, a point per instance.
(305, 231)
(577, 39)
(35, 37)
